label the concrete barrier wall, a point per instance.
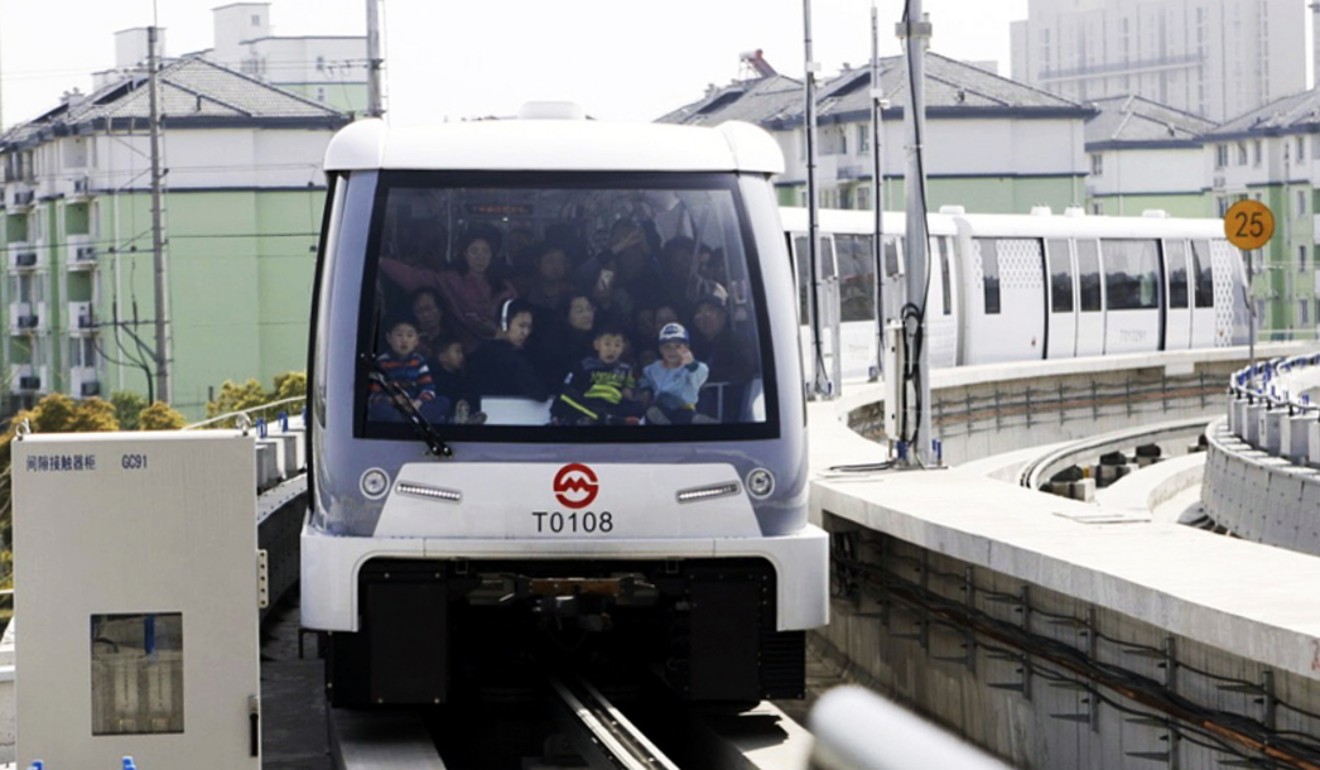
(1259, 496)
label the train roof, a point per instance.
(557, 144)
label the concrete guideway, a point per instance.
(1168, 575)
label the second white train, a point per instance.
(1009, 287)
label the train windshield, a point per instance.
(532, 306)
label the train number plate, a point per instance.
(573, 523)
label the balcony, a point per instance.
(22, 198)
(26, 317)
(81, 318)
(81, 253)
(26, 378)
(22, 256)
(77, 189)
(83, 382)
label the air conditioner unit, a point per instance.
(91, 388)
(85, 253)
(25, 258)
(27, 322)
(82, 185)
(24, 198)
(29, 383)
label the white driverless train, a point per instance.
(1009, 287)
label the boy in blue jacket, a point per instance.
(674, 380)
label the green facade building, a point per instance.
(242, 198)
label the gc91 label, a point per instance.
(575, 523)
(134, 462)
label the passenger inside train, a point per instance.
(594, 287)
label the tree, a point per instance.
(250, 395)
(128, 405)
(160, 416)
(237, 398)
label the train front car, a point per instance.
(628, 472)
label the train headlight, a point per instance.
(374, 484)
(760, 483)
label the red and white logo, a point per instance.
(576, 486)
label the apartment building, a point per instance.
(992, 145)
(242, 209)
(1213, 58)
(1145, 156)
(1270, 155)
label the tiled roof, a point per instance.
(1291, 114)
(952, 87)
(1133, 120)
(192, 90)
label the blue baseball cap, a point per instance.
(673, 332)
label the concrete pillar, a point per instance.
(1298, 446)
(1273, 423)
(1240, 407)
(1313, 442)
(1255, 416)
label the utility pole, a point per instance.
(162, 353)
(877, 190)
(915, 29)
(821, 385)
(375, 107)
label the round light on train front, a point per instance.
(760, 482)
(375, 483)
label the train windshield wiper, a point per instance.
(405, 406)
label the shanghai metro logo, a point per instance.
(576, 486)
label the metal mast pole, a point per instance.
(821, 385)
(162, 353)
(915, 29)
(375, 108)
(877, 188)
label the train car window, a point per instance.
(1061, 285)
(856, 277)
(946, 287)
(1131, 274)
(989, 251)
(1205, 278)
(553, 292)
(1175, 259)
(1088, 276)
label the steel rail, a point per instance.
(604, 736)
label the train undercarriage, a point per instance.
(705, 627)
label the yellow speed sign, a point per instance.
(1249, 224)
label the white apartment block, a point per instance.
(1214, 58)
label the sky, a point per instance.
(447, 60)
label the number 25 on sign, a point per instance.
(1249, 224)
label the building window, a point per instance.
(1304, 308)
(1301, 257)
(1097, 207)
(256, 20)
(320, 94)
(320, 66)
(864, 139)
(1301, 202)
(1241, 153)
(1257, 152)
(1097, 163)
(1221, 155)
(1301, 148)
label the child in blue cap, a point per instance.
(674, 380)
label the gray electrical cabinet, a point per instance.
(136, 591)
